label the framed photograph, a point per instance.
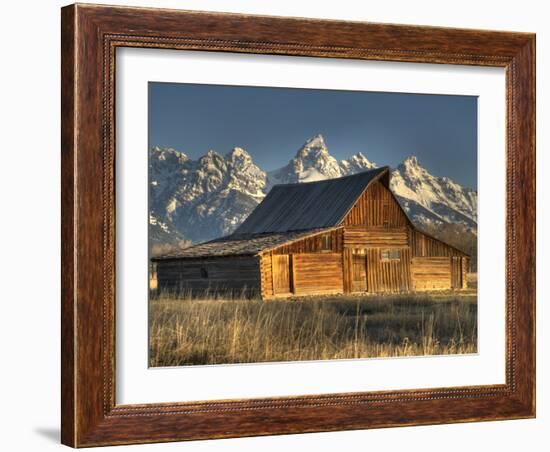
(281, 225)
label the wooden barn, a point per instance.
(344, 235)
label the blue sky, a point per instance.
(273, 123)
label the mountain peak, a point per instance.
(167, 153)
(211, 154)
(412, 167)
(411, 161)
(238, 153)
(312, 162)
(447, 200)
(317, 140)
(313, 148)
(360, 158)
(356, 164)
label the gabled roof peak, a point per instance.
(308, 205)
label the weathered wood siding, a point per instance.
(388, 275)
(281, 265)
(359, 273)
(456, 272)
(312, 265)
(266, 269)
(317, 273)
(436, 265)
(314, 244)
(381, 275)
(431, 273)
(377, 206)
(376, 223)
(375, 237)
(347, 270)
(233, 274)
(426, 246)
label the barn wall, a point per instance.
(431, 273)
(317, 273)
(426, 246)
(282, 277)
(377, 206)
(301, 274)
(436, 265)
(314, 244)
(388, 276)
(347, 270)
(456, 272)
(231, 274)
(266, 275)
(459, 266)
(375, 237)
(424, 265)
(381, 275)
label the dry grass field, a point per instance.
(186, 331)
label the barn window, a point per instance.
(204, 273)
(326, 242)
(391, 255)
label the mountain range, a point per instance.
(198, 200)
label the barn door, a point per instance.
(359, 273)
(282, 274)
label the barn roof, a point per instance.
(309, 205)
(238, 244)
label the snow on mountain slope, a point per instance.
(355, 164)
(211, 196)
(206, 198)
(311, 163)
(449, 201)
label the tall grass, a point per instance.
(217, 330)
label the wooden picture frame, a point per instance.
(90, 36)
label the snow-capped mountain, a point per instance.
(428, 199)
(313, 162)
(207, 198)
(355, 164)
